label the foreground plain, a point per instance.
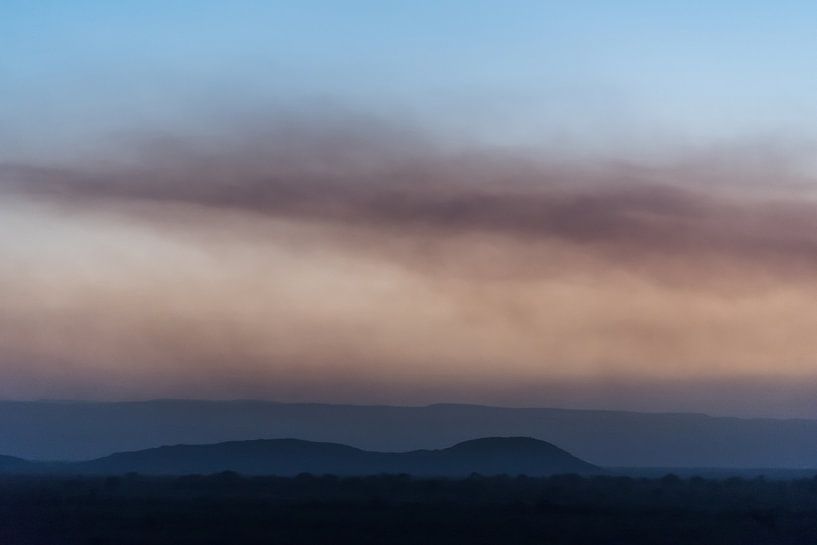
(227, 508)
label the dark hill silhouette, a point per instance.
(519, 455)
(489, 456)
(262, 456)
(12, 463)
(47, 430)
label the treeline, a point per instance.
(397, 509)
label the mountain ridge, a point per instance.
(289, 457)
(81, 431)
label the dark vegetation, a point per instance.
(227, 508)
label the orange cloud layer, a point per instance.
(288, 264)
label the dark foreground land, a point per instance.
(230, 509)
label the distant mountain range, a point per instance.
(289, 457)
(49, 430)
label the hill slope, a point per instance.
(489, 456)
(11, 463)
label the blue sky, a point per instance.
(589, 72)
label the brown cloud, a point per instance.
(295, 258)
(383, 180)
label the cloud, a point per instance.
(378, 177)
(293, 256)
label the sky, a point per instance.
(523, 203)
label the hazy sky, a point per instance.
(606, 204)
